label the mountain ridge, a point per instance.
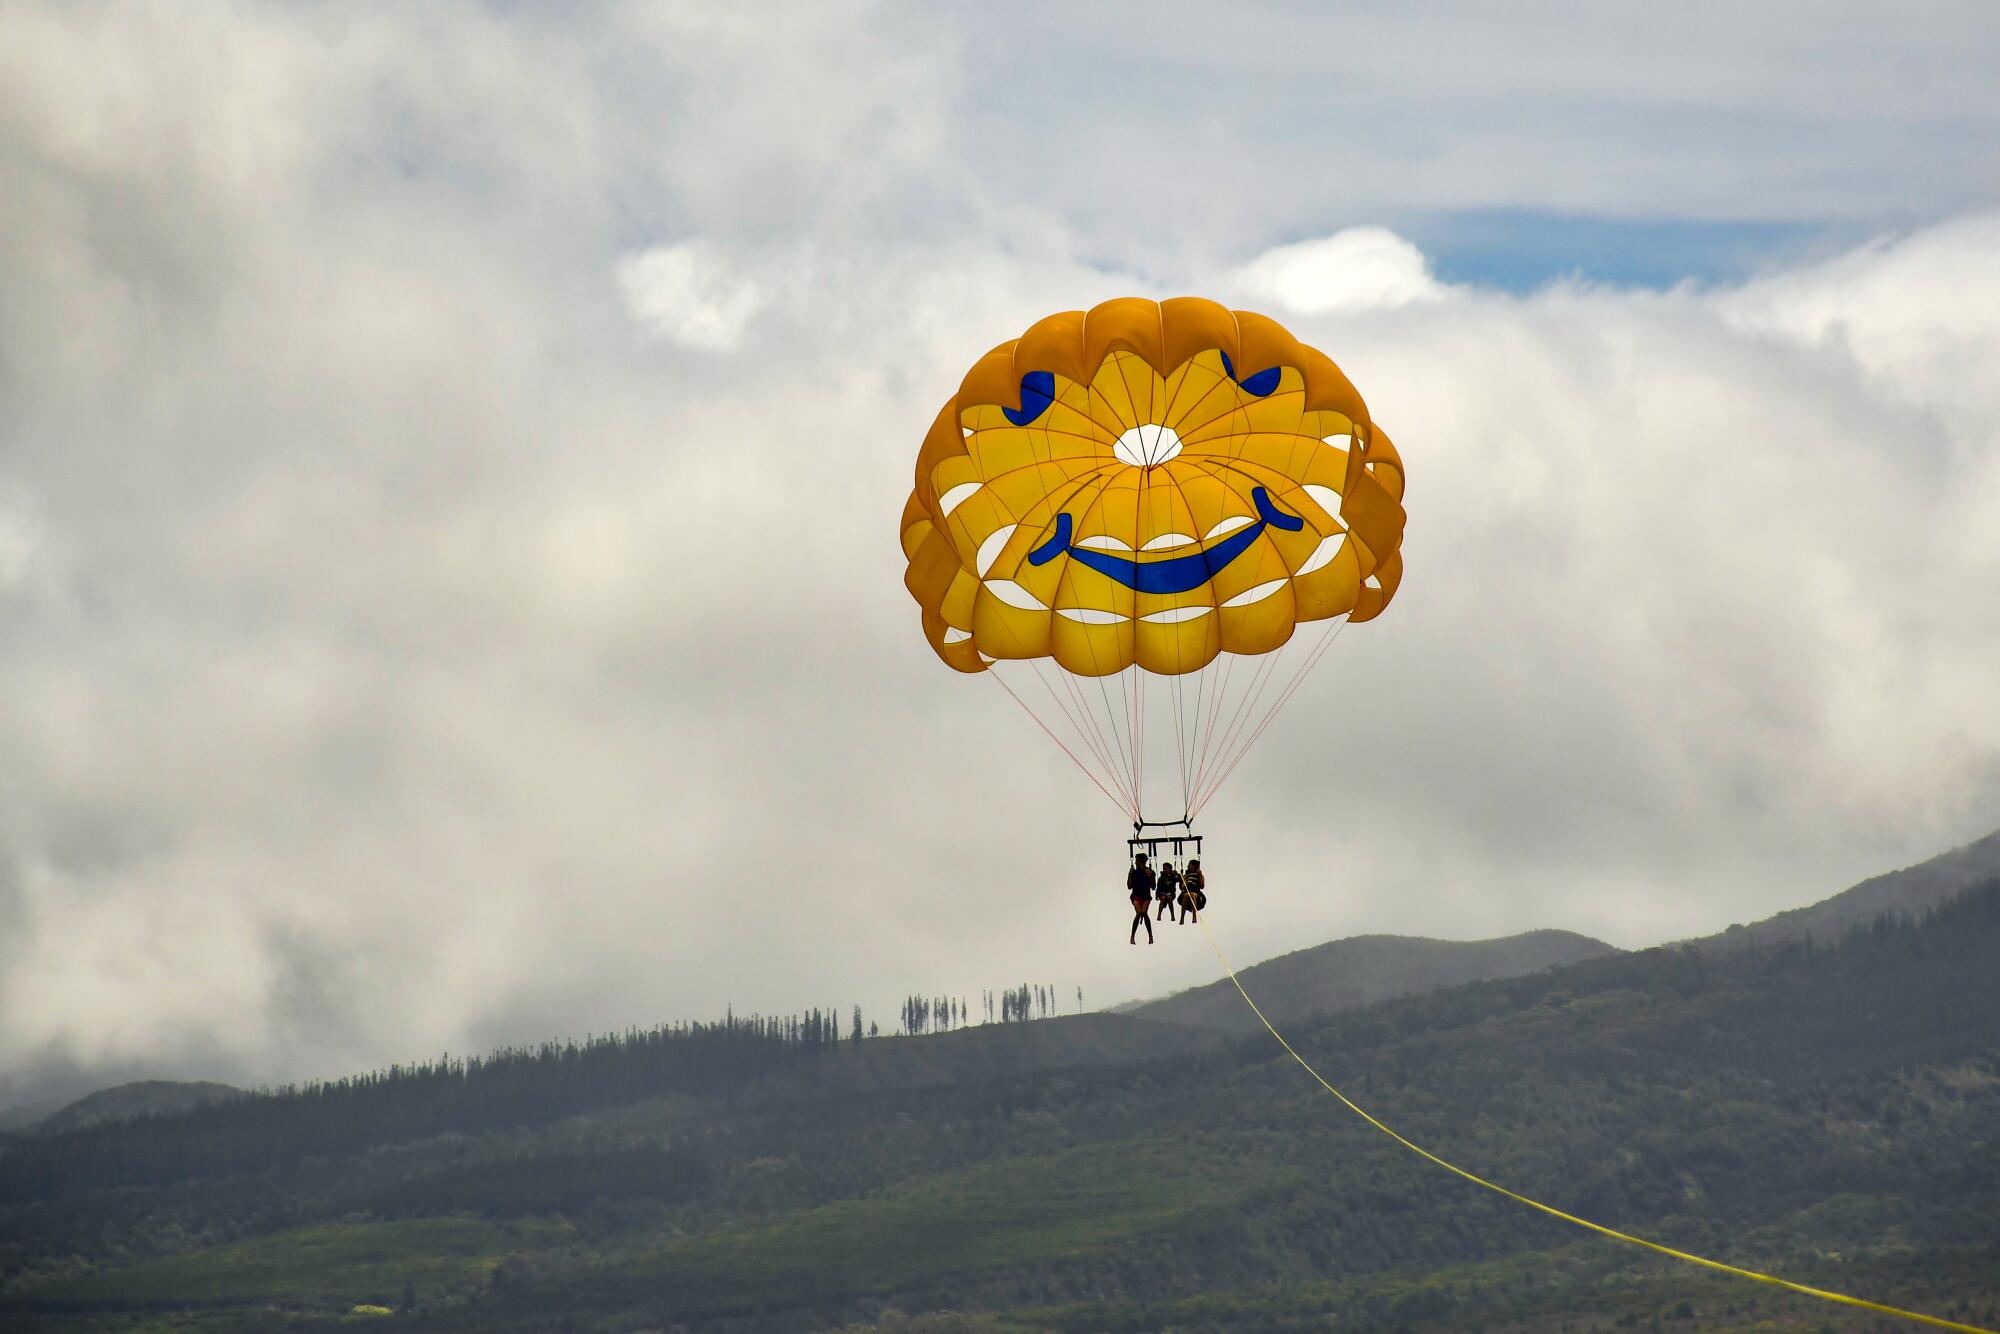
(1357, 971)
(141, 1097)
(1804, 1110)
(1910, 890)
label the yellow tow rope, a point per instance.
(1553, 1212)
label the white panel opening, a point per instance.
(989, 550)
(1173, 615)
(1324, 552)
(1148, 446)
(957, 496)
(1014, 595)
(1257, 594)
(1326, 498)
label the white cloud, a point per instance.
(20, 537)
(687, 293)
(415, 657)
(1355, 269)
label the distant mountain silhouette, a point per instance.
(22, 1116)
(147, 1097)
(1361, 970)
(1912, 891)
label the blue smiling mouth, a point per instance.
(1180, 574)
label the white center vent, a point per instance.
(1147, 446)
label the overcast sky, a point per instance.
(451, 457)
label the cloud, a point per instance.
(449, 474)
(684, 293)
(1353, 269)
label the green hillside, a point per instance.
(1830, 1113)
(1914, 890)
(1348, 974)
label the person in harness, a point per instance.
(1168, 890)
(1194, 892)
(1139, 888)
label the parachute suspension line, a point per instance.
(1246, 710)
(1215, 702)
(1131, 735)
(1085, 711)
(1291, 687)
(1077, 720)
(1117, 735)
(1087, 721)
(1180, 741)
(1121, 732)
(1120, 738)
(1184, 730)
(1553, 1212)
(1249, 717)
(1138, 672)
(1258, 676)
(1139, 697)
(1193, 723)
(1130, 679)
(1218, 697)
(1059, 741)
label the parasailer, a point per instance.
(1131, 512)
(1194, 884)
(1139, 888)
(1168, 891)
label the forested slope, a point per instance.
(1913, 890)
(1833, 1113)
(1361, 970)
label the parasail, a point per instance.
(1142, 512)
(1148, 521)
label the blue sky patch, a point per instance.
(1520, 250)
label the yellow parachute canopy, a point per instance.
(1149, 483)
(1161, 493)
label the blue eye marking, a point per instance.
(1038, 390)
(1260, 384)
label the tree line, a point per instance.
(937, 1014)
(473, 1095)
